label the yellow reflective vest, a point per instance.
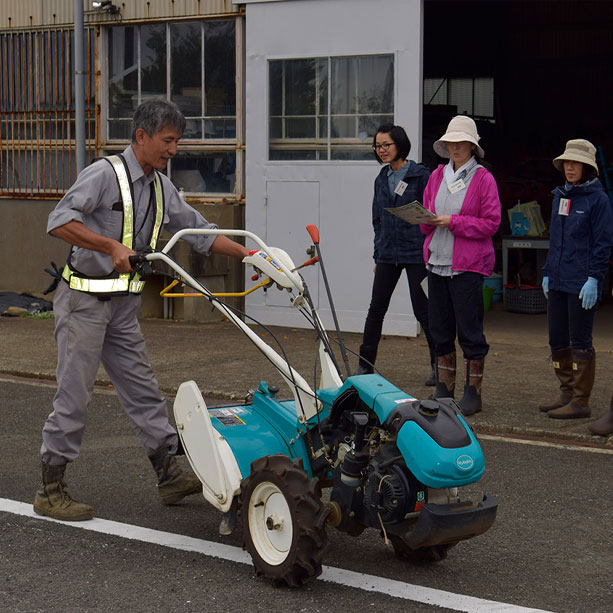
(123, 283)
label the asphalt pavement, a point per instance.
(549, 548)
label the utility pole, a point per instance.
(79, 93)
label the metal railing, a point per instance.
(37, 118)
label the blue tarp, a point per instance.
(30, 303)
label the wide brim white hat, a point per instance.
(460, 128)
(578, 150)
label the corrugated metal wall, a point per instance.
(36, 13)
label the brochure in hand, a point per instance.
(412, 213)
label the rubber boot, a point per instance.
(584, 371)
(444, 369)
(604, 425)
(562, 360)
(368, 355)
(431, 380)
(173, 484)
(53, 499)
(471, 401)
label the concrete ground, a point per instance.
(225, 364)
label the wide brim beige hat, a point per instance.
(460, 128)
(578, 150)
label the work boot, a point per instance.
(173, 484)
(584, 371)
(444, 369)
(368, 355)
(471, 401)
(562, 360)
(53, 499)
(604, 425)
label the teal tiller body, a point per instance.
(271, 426)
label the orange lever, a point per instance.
(307, 263)
(313, 232)
(311, 261)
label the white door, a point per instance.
(290, 207)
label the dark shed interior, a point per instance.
(551, 63)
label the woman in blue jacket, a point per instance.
(398, 244)
(581, 236)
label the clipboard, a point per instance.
(413, 212)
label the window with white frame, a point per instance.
(192, 63)
(328, 108)
(472, 97)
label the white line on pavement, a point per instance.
(348, 578)
(537, 443)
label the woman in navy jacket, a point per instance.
(398, 244)
(581, 237)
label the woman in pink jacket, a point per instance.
(458, 252)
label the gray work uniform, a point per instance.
(89, 330)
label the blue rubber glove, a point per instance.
(589, 293)
(545, 286)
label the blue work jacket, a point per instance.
(396, 241)
(580, 242)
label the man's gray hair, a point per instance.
(155, 114)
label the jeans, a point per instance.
(570, 325)
(384, 284)
(456, 303)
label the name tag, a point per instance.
(400, 188)
(457, 186)
(564, 207)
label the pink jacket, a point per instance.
(474, 227)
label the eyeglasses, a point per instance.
(384, 146)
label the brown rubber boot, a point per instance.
(562, 360)
(173, 484)
(584, 371)
(444, 368)
(53, 499)
(604, 425)
(471, 401)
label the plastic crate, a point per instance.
(524, 299)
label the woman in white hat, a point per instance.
(580, 240)
(459, 253)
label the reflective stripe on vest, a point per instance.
(125, 282)
(103, 286)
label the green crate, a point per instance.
(488, 294)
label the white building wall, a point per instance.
(283, 196)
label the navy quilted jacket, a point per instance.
(396, 241)
(580, 243)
